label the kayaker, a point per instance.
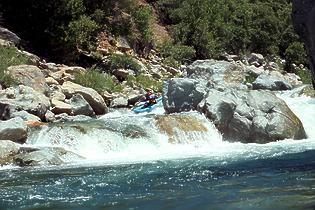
(149, 98)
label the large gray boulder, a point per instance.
(303, 15)
(251, 116)
(217, 72)
(14, 129)
(91, 96)
(30, 76)
(271, 82)
(25, 98)
(182, 94)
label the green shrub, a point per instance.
(80, 32)
(142, 17)
(305, 75)
(100, 82)
(144, 81)
(125, 62)
(9, 56)
(295, 53)
(176, 54)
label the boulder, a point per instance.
(50, 116)
(122, 44)
(271, 82)
(181, 94)
(217, 72)
(14, 129)
(60, 107)
(25, 116)
(80, 106)
(255, 59)
(7, 35)
(51, 81)
(120, 102)
(46, 156)
(8, 150)
(25, 98)
(251, 116)
(91, 96)
(176, 126)
(121, 74)
(133, 99)
(30, 76)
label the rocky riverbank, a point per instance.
(236, 94)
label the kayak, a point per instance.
(140, 109)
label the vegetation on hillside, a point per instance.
(100, 82)
(200, 29)
(61, 29)
(233, 26)
(10, 56)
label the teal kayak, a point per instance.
(140, 108)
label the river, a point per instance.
(203, 172)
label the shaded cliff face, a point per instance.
(303, 15)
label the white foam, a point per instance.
(111, 147)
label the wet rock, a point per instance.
(8, 150)
(133, 99)
(251, 116)
(14, 129)
(25, 116)
(181, 94)
(46, 156)
(177, 125)
(66, 118)
(120, 102)
(271, 82)
(80, 106)
(30, 76)
(91, 96)
(50, 116)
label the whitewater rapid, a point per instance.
(103, 146)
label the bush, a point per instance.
(9, 56)
(125, 62)
(100, 82)
(176, 54)
(295, 53)
(144, 81)
(80, 32)
(305, 75)
(142, 17)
